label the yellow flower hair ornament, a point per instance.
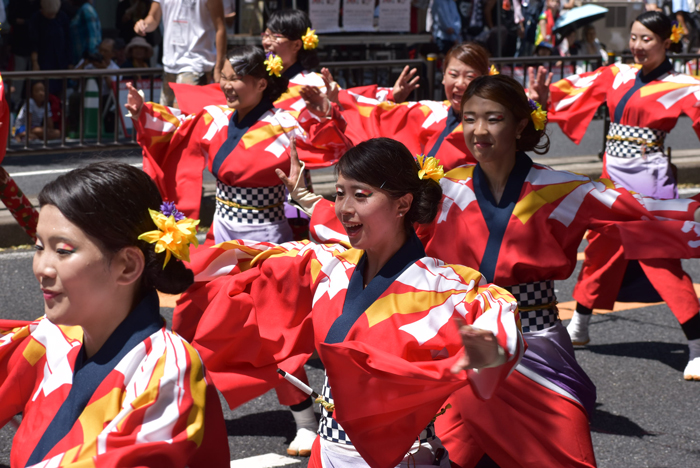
(310, 39)
(538, 115)
(274, 64)
(429, 168)
(677, 32)
(175, 233)
(493, 70)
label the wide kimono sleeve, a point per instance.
(574, 100)
(320, 141)
(406, 122)
(172, 152)
(20, 363)
(250, 309)
(646, 227)
(383, 400)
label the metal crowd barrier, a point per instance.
(348, 74)
(77, 79)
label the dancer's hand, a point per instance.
(538, 87)
(405, 84)
(332, 87)
(134, 102)
(480, 348)
(295, 168)
(316, 101)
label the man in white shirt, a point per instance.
(194, 41)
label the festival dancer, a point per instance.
(379, 314)
(645, 101)
(100, 380)
(433, 128)
(524, 222)
(242, 145)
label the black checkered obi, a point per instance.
(250, 205)
(626, 141)
(531, 295)
(330, 430)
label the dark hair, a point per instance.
(510, 94)
(659, 24)
(249, 61)
(109, 201)
(293, 24)
(388, 165)
(469, 53)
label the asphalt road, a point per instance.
(646, 415)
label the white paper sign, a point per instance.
(324, 15)
(395, 15)
(358, 15)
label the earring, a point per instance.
(517, 137)
(400, 214)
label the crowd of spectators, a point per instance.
(526, 27)
(67, 34)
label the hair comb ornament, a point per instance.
(310, 39)
(538, 115)
(175, 232)
(274, 64)
(430, 168)
(493, 70)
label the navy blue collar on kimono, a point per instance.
(141, 323)
(640, 81)
(497, 215)
(451, 123)
(236, 130)
(358, 299)
(293, 71)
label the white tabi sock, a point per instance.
(306, 419)
(692, 370)
(578, 329)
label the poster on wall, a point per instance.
(394, 15)
(324, 15)
(358, 15)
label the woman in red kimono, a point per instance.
(100, 380)
(379, 314)
(241, 144)
(522, 224)
(432, 128)
(645, 100)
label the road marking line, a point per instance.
(269, 460)
(53, 171)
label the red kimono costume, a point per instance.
(425, 127)
(144, 399)
(525, 242)
(387, 348)
(643, 109)
(242, 155)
